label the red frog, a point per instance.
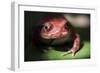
(54, 28)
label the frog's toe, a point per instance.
(73, 54)
(68, 52)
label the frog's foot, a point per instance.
(75, 47)
(69, 52)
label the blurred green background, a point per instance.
(35, 52)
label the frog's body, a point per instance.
(54, 29)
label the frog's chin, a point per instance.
(44, 36)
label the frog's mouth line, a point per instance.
(57, 41)
(51, 36)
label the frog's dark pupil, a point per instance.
(46, 27)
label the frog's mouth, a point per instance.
(56, 41)
(54, 36)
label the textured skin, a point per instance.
(53, 28)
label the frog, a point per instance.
(57, 27)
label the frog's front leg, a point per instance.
(75, 47)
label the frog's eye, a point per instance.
(47, 27)
(68, 25)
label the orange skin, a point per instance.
(54, 29)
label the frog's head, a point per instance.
(54, 27)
